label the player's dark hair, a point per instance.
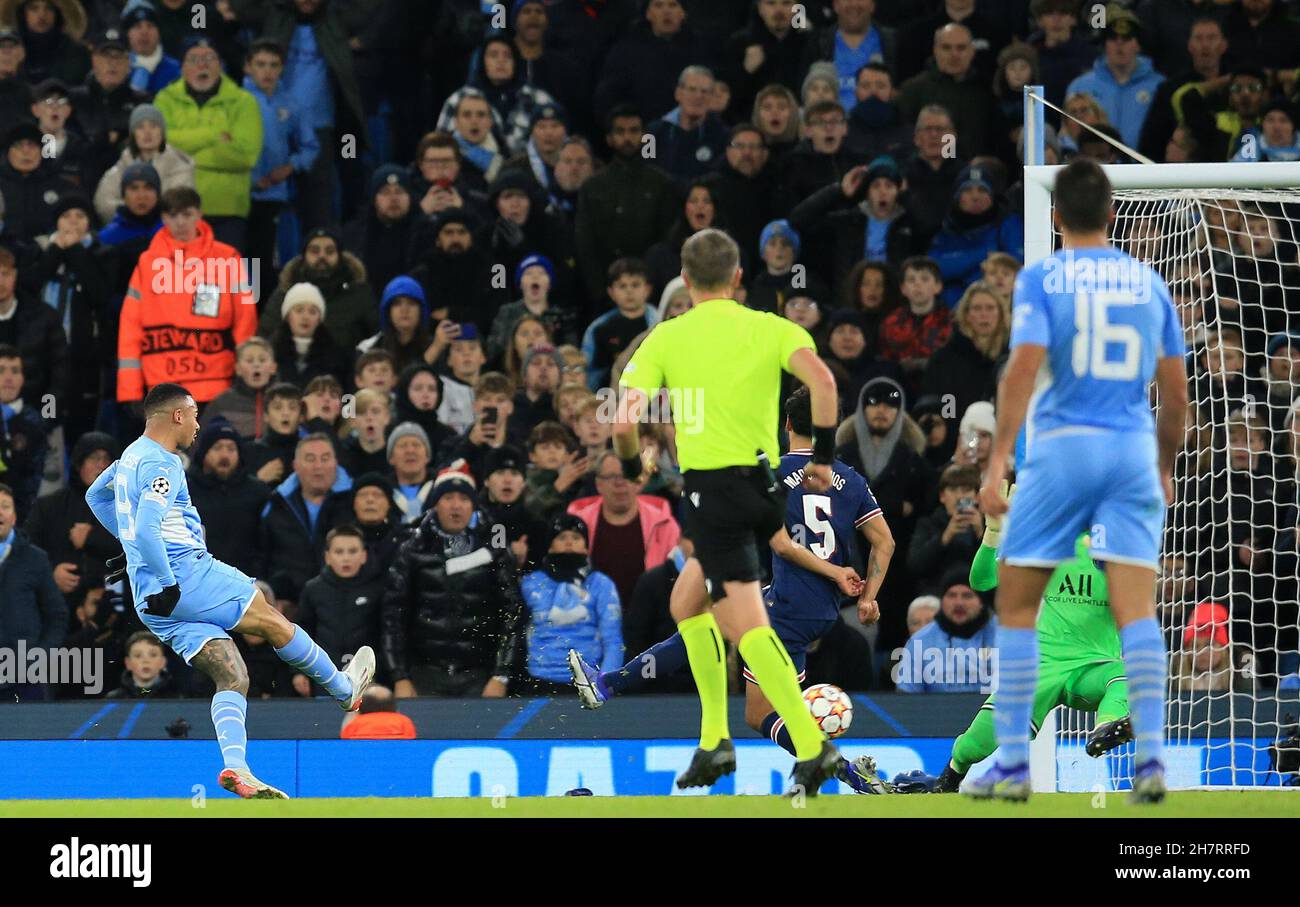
(346, 531)
(798, 408)
(163, 397)
(9, 351)
(142, 636)
(1082, 196)
(178, 199)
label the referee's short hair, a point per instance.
(710, 259)
(1082, 196)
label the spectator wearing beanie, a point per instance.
(303, 346)
(539, 380)
(146, 143)
(136, 220)
(228, 497)
(963, 627)
(847, 349)
(62, 525)
(30, 186)
(380, 522)
(520, 225)
(405, 331)
(501, 79)
(152, 69)
(382, 236)
(570, 606)
(65, 148)
(974, 228)
(410, 456)
(102, 105)
(777, 279)
(860, 216)
(15, 91)
(350, 311)
(76, 274)
(502, 504)
(535, 280)
(457, 274)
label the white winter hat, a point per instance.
(301, 293)
(979, 417)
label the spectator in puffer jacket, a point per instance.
(571, 606)
(974, 228)
(452, 612)
(340, 606)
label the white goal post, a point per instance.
(1226, 239)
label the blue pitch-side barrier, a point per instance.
(504, 748)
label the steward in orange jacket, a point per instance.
(187, 307)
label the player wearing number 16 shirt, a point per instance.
(186, 308)
(1092, 328)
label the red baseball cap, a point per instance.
(1208, 619)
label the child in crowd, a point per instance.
(629, 288)
(339, 607)
(304, 347)
(555, 471)
(419, 392)
(271, 456)
(465, 361)
(243, 404)
(366, 449)
(534, 277)
(910, 334)
(146, 671)
(375, 369)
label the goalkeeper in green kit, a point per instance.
(1080, 663)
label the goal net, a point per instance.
(1226, 240)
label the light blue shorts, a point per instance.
(214, 598)
(1105, 483)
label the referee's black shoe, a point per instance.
(707, 766)
(1105, 737)
(809, 775)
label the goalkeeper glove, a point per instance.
(993, 524)
(116, 567)
(162, 604)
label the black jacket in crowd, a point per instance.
(231, 513)
(49, 526)
(291, 551)
(342, 615)
(29, 198)
(31, 607)
(37, 332)
(467, 620)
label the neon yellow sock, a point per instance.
(708, 658)
(770, 664)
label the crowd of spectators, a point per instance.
(397, 248)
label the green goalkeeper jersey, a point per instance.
(1075, 624)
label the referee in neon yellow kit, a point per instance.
(722, 364)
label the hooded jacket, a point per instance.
(350, 311)
(1125, 105)
(583, 614)
(186, 332)
(966, 240)
(223, 170)
(659, 531)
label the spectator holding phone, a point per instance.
(404, 329)
(555, 471)
(948, 538)
(494, 405)
(465, 361)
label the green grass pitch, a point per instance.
(1187, 804)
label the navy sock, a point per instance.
(660, 660)
(1144, 666)
(774, 730)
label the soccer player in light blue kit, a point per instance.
(189, 599)
(1091, 328)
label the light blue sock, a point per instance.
(1017, 679)
(229, 710)
(303, 653)
(1144, 666)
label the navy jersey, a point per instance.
(825, 523)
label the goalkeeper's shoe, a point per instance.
(242, 783)
(360, 670)
(1148, 783)
(949, 781)
(861, 775)
(1000, 783)
(808, 776)
(707, 766)
(591, 693)
(1105, 737)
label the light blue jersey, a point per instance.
(144, 500)
(1106, 319)
(1090, 464)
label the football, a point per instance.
(831, 708)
